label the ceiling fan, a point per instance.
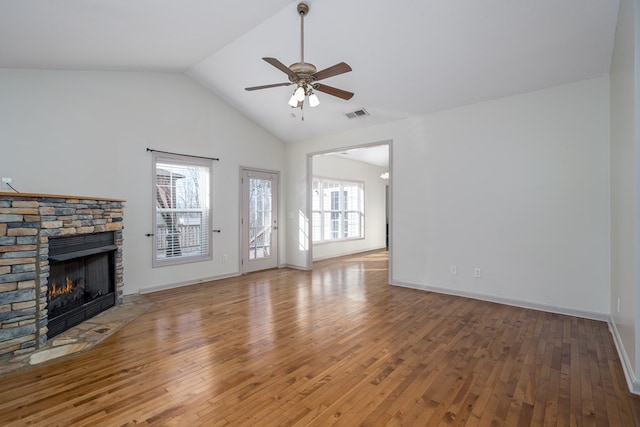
(305, 75)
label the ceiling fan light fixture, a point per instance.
(299, 93)
(293, 102)
(313, 100)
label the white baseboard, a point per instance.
(586, 314)
(294, 267)
(627, 367)
(157, 288)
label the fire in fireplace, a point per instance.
(82, 279)
(62, 296)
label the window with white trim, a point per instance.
(182, 209)
(337, 209)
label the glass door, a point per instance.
(259, 220)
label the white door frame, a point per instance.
(244, 223)
(310, 156)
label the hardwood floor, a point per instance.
(336, 346)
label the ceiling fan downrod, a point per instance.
(303, 10)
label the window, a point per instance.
(182, 209)
(337, 209)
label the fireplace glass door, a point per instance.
(81, 280)
(78, 281)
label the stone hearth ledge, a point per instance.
(82, 337)
(60, 196)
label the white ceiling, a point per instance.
(377, 155)
(155, 35)
(409, 57)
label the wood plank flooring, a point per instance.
(336, 346)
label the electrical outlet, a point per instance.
(453, 269)
(477, 272)
(225, 258)
(6, 182)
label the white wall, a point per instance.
(86, 133)
(625, 198)
(328, 166)
(517, 186)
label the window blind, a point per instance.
(182, 208)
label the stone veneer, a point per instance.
(26, 223)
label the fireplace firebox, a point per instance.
(82, 279)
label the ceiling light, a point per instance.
(293, 102)
(299, 93)
(313, 100)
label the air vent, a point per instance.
(357, 113)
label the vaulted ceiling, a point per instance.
(409, 57)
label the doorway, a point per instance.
(259, 222)
(375, 174)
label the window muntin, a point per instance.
(182, 209)
(337, 210)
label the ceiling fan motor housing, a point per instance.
(303, 71)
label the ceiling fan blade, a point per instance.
(280, 66)
(333, 91)
(332, 71)
(267, 86)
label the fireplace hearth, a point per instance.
(81, 283)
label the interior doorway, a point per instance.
(374, 158)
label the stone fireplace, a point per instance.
(60, 263)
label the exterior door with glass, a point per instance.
(259, 220)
